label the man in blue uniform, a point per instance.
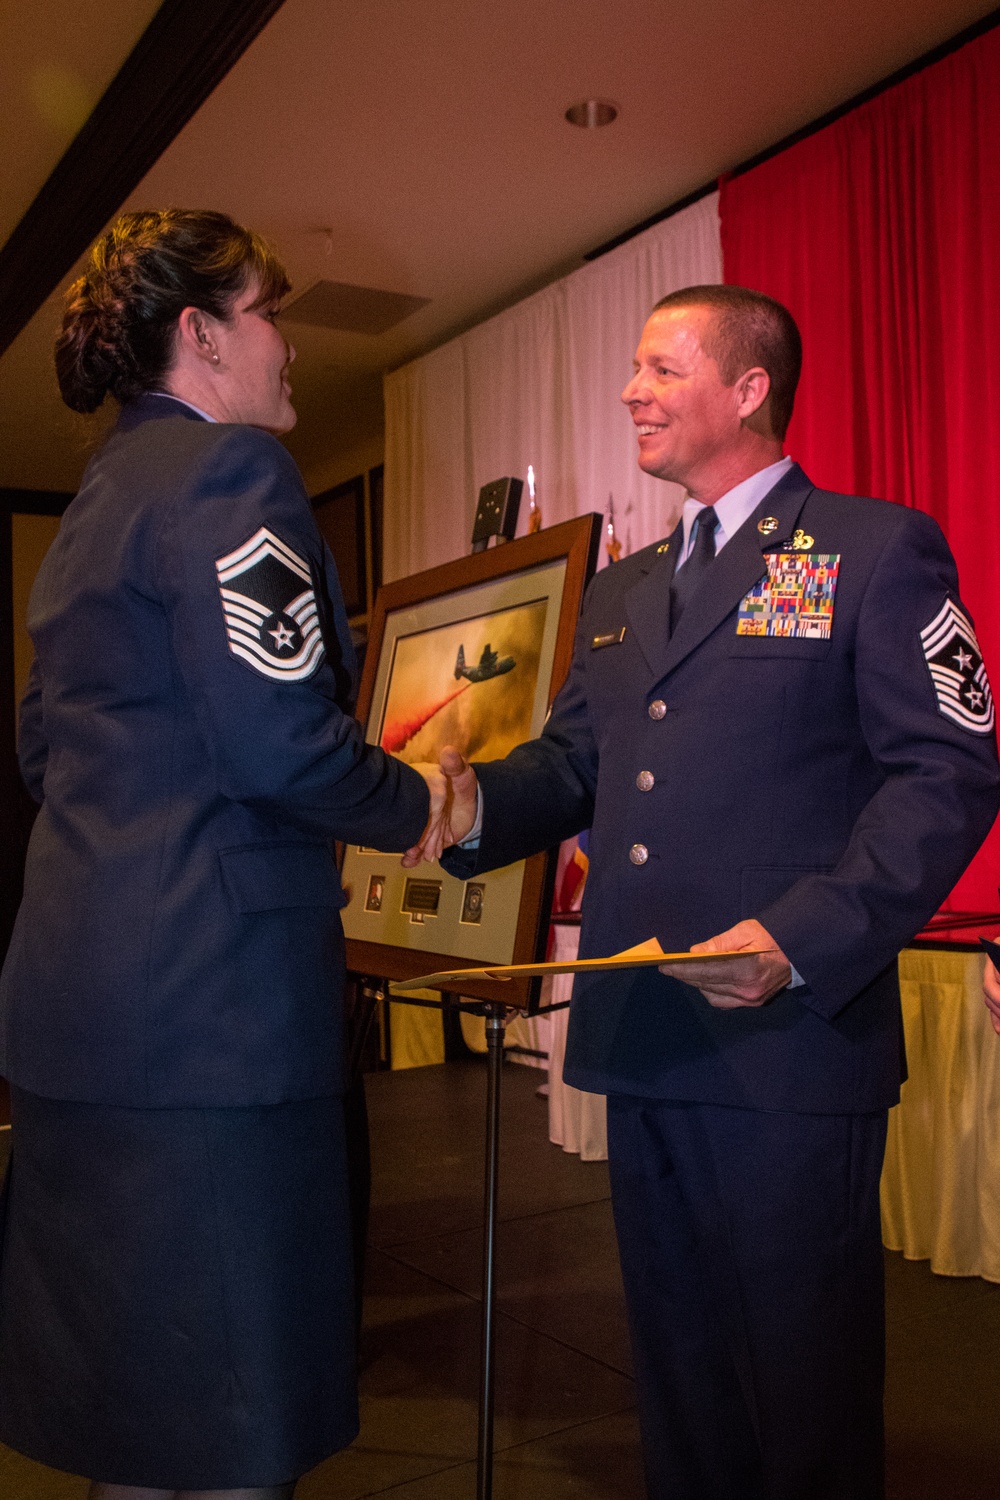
(778, 727)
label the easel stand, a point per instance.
(497, 1015)
(496, 1026)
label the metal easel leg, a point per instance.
(496, 1025)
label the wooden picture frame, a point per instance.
(400, 924)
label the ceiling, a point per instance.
(54, 66)
(421, 149)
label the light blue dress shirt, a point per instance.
(734, 507)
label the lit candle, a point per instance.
(613, 546)
(534, 513)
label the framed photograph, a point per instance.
(469, 654)
(340, 516)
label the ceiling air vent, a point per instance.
(351, 309)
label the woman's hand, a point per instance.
(454, 794)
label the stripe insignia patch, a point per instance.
(957, 671)
(270, 608)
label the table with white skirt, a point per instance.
(941, 1180)
(577, 1121)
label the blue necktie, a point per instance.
(700, 559)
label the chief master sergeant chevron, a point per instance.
(779, 729)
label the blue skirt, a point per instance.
(176, 1294)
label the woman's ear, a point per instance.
(195, 336)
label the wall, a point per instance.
(31, 537)
(340, 433)
(366, 454)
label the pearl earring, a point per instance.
(215, 359)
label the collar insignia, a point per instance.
(611, 638)
(800, 542)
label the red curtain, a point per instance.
(881, 233)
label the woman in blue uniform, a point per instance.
(176, 1286)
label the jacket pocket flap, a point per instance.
(268, 877)
(780, 648)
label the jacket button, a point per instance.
(657, 708)
(645, 781)
(638, 854)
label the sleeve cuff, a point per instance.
(475, 833)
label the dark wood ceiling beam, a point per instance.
(184, 53)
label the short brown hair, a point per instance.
(749, 329)
(118, 326)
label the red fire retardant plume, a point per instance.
(399, 732)
(881, 233)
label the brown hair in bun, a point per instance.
(120, 317)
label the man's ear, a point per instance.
(195, 335)
(754, 402)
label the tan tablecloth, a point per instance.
(941, 1181)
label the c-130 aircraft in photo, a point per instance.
(488, 667)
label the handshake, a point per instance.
(454, 794)
(750, 980)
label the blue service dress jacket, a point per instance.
(185, 730)
(814, 747)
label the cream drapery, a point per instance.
(539, 384)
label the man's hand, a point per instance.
(454, 798)
(991, 990)
(742, 981)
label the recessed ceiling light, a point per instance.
(592, 113)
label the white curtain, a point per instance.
(539, 384)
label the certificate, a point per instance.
(643, 956)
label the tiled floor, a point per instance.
(565, 1407)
